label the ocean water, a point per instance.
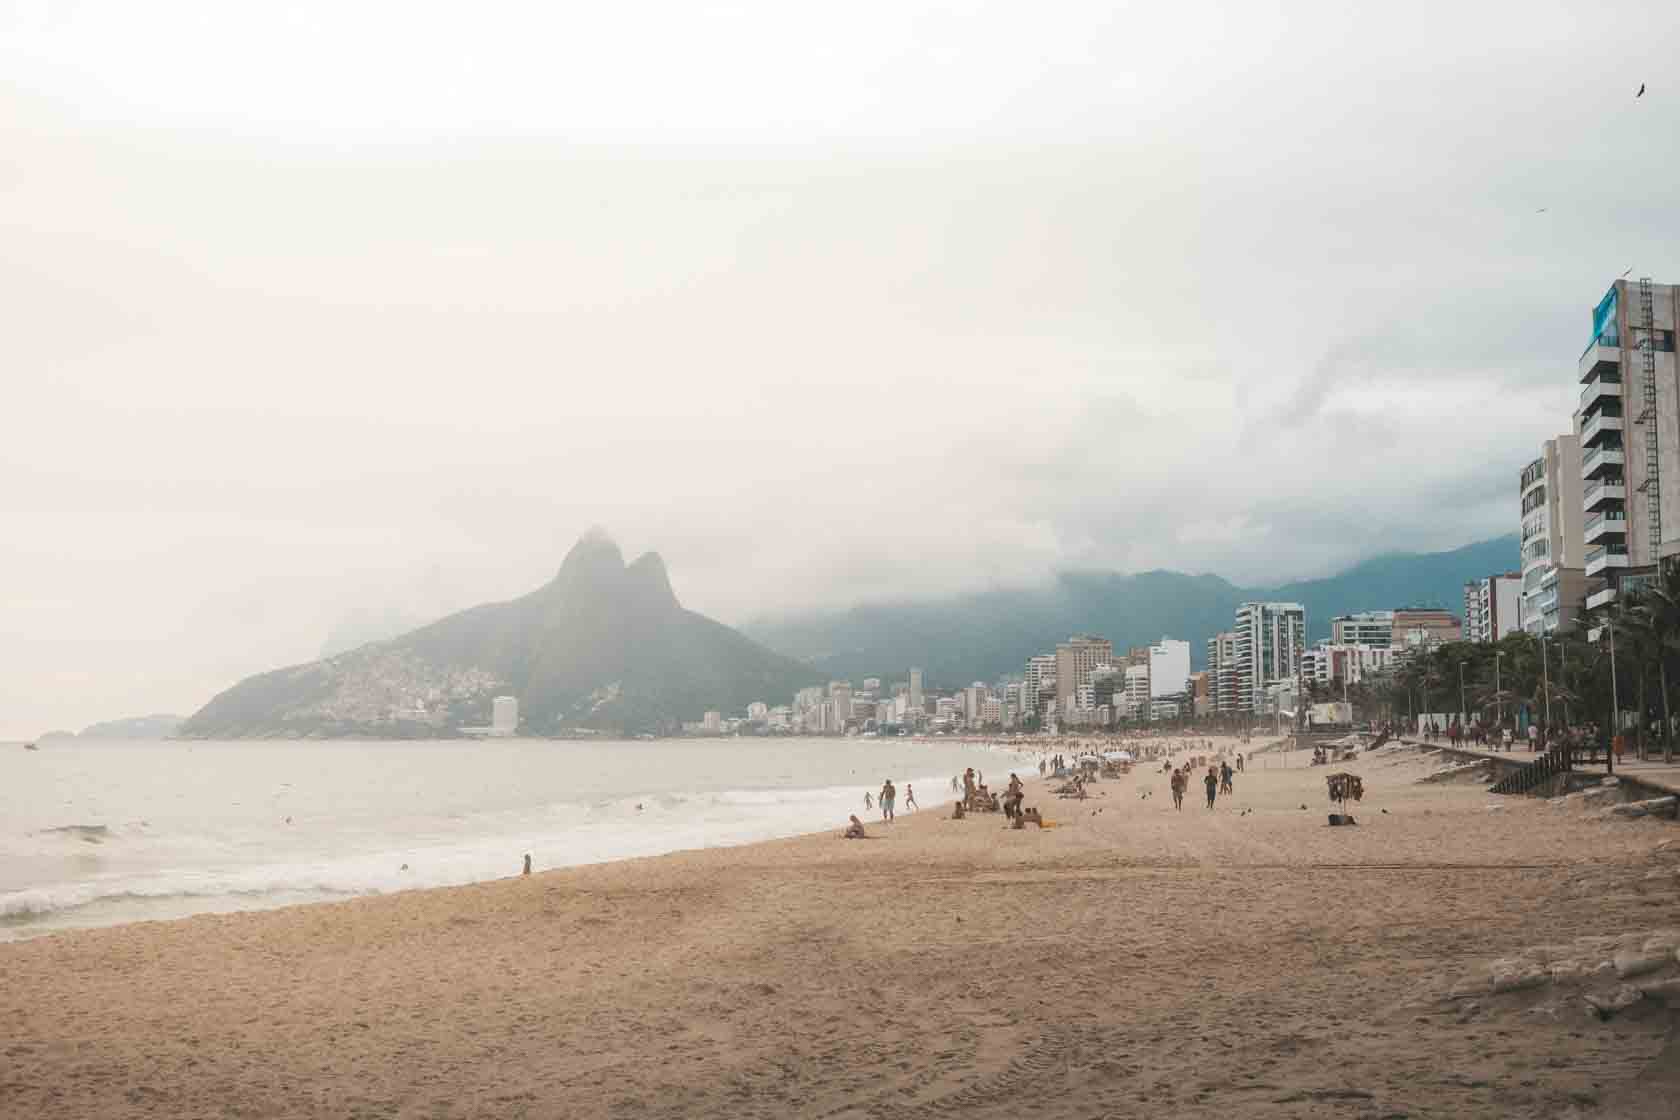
(98, 833)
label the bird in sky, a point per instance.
(1624, 274)
(1641, 92)
(1542, 209)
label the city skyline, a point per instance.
(300, 350)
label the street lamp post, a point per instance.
(1499, 702)
(1616, 706)
(1546, 678)
(1463, 710)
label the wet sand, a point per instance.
(1133, 961)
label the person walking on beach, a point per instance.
(1179, 781)
(1225, 773)
(1212, 783)
(887, 795)
(910, 798)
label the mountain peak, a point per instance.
(649, 580)
(593, 562)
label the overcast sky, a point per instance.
(325, 311)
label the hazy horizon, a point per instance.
(319, 311)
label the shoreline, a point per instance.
(675, 821)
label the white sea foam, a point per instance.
(256, 825)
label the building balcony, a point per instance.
(1601, 461)
(1599, 360)
(1601, 598)
(1600, 427)
(1609, 524)
(1547, 603)
(1550, 578)
(1603, 494)
(1604, 387)
(1604, 557)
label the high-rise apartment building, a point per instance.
(1629, 428)
(1075, 658)
(915, 688)
(1552, 550)
(1222, 671)
(1364, 628)
(1270, 640)
(1491, 608)
(840, 692)
(1038, 681)
(1169, 667)
(504, 715)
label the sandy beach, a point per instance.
(1132, 961)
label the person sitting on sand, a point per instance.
(958, 812)
(854, 831)
(1031, 816)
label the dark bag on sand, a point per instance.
(1341, 818)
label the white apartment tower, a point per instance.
(1552, 550)
(916, 689)
(504, 715)
(840, 693)
(1222, 671)
(1169, 667)
(1039, 678)
(1271, 637)
(1629, 427)
(1364, 628)
(1491, 608)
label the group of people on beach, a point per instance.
(1579, 739)
(976, 797)
(888, 797)
(1217, 780)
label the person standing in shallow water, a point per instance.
(887, 796)
(910, 798)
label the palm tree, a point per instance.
(1640, 646)
(1660, 606)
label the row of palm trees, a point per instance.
(1563, 679)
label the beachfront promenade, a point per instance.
(1653, 772)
